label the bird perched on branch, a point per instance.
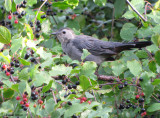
(100, 50)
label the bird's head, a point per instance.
(64, 34)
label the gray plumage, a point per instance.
(101, 51)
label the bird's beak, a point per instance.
(54, 33)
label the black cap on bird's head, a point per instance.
(64, 34)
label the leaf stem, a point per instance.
(137, 12)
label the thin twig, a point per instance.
(134, 9)
(54, 97)
(39, 10)
(22, 96)
(92, 90)
(54, 20)
(112, 23)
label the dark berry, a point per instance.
(26, 56)
(33, 59)
(38, 29)
(32, 87)
(69, 103)
(33, 94)
(19, 16)
(67, 17)
(17, 65)
(69, 86)
(120, 86)
(15, 13)
(38, 22)
(43, 16)
(74, 86)
(58, 100)
(125, 83)
(46, 3)
(25, 93)
(12, 71)
(23, 13)
(158, 96)
(141, 100)
(127, 107)
(24, 2)
(141, 79)
(143, 110)
(61, 11)
(31, 24)
(121, 106)
(25, 108)
(65, 95)
(130, 104)
(77, 83)
(2, 8)
(64, 81)
(73, 92)
(29, 80)
(9, 22)
(128, 101)
(134, 106)
(10, 26)
(74, 116)
(37, 35)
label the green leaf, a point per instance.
(75, 108)
(8, 93)
(88, 69)
(156, 82)
(127, 32)
(46, 26)
(31, 2)
(156, 39)
(62, 5)
(157, 57)
(24, 75)
(8, 5)
(135, 67)
(152, 66)
(18, 1)
(100, 2)
(85, 54)
(41, 77)
(5, 57)
(119, 6)
(16, 44)
(5, 35)
(142, 54)
(44, 55)
(60, 70)
(24, 62)
(118, 67)
(47, 87)
(154, 107)
(15, 87)
(84, 82)
(29, 31)
(73, 2)
(50, 105)
(73, 24)
(145, 32)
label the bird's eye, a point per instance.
(63, 32)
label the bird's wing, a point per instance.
(95, 46)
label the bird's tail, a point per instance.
(131, 45)
(140, 44)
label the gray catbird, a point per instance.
(100, 50)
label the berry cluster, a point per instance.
(24, 103)
(30, 53)
(9, 69)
